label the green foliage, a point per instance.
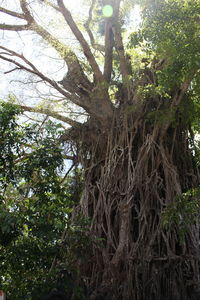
(171, 30)
(38, 245)
(170, 33)
(183, 212)
(185, 114)
(151, 90)
(9, 141)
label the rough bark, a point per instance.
(132, 173)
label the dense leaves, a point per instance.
(170, 33)
(184, 212)
(38, 245)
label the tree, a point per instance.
(137, 145)
(38, 244)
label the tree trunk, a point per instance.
(133, 170)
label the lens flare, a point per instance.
(107, 11)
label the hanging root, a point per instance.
(129, 181)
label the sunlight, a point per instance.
(135, 16)
(77, 7)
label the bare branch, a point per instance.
(25, 16)
(32, 69)
(86, 49)
(87, 24)
(11, 13)
(65, 52)
(26, 155)
(25, 9)
(78, 88)
(53, 114)
(12, 70)
(68, 171)
(21, 56)
(75, 71)
(89, 32)
(62, 49)
(70, 157)
(14, 27)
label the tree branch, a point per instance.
(177, 99)
(83, 91)
(53, 114)
(14, 69)
(87, 24)
(183, 89)
(74, 67)
(14, 27)
(64, 51)
(86, 49)
(109, 43)
(89, 32)
(69, 170)
(124, 68)
(75, 72)
(32, 69)
(25, 9)
(11, 13)
(26, 155)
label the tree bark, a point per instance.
(130, 178)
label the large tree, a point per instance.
(137, 93)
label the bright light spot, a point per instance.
(107, 11)
(135, 17)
